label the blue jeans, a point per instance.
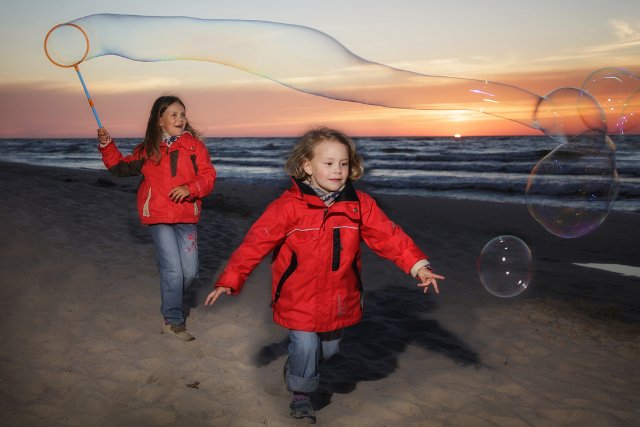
(177, 253)
(306, 351)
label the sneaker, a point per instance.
(301, 408)
(178, 331)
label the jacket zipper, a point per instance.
(324, 217)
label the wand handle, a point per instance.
(86, 92)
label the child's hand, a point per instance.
(103, 137)
(215, 294)
(428, 277)
(178, 194)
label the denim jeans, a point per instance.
(177, 254)
(306, 351)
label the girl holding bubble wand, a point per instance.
(176, 174)
(314, 230)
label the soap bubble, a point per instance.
(571, 191)
(310, 61)
(630, 116)
(612, 87)
(505, 267)
(566, 113)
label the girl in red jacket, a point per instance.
(176, 174)
(314, 230)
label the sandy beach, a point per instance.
(81, 322)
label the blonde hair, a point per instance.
(303, 151)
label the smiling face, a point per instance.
(173, 120)
(328, 169)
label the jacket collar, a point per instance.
(347, 195)
(178, 142)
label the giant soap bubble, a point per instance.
(313, 62)
(615, 89)
(298, 57)
(572, 189)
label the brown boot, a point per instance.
(178, 331)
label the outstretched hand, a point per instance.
(428, 277)
(215, 294)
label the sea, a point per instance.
(484, 168)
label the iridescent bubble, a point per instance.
(313, 62)
(567, 113)
(630, 117)
(299, 57)
(504, 266)
(571, 191)
(612, 87)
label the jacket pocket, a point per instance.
(145, 206)
(340, 306)
(288, 272)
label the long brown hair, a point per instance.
(150, 147)
(303, 151)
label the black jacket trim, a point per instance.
(288, 272)
(123, 169)
(335, 262)
(173, 159)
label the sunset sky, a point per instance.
(534, 46)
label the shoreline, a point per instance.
(80, 309)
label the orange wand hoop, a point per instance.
(66, 62)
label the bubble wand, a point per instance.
(74, 64)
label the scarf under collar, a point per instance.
(168, 139)
(328, 197)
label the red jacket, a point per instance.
(316, 255)
(187, 162)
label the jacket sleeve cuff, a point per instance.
(233, 290)
(418, 265)
(194, 190)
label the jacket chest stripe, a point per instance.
(302, 229)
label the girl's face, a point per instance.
(329, 167)
(173, 120)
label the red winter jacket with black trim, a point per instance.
(316, 255)
(186, 162)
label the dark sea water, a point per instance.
(477, 168)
